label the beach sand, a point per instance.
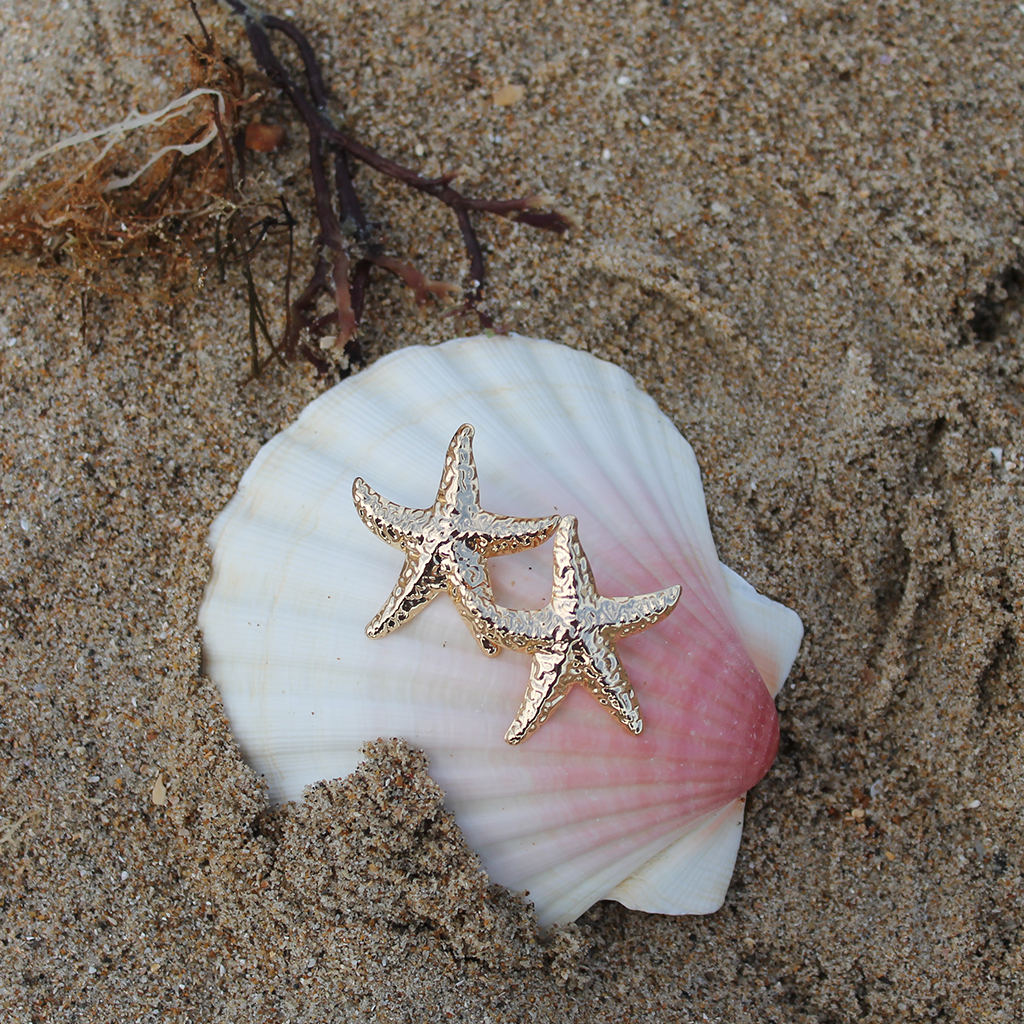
(801, 231)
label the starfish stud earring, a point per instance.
(446, 545)
(572, 640)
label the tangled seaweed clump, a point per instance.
(188, 196)
(73, 210)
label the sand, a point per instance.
(801, 232)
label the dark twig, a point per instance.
(207, 38)
(343, 271)
(290, 224)
(161, 190)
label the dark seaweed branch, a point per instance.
(348, 252)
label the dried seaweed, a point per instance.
(187, 195)
(87, 218)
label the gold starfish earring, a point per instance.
(447, 544)
(572, 640)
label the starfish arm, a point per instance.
(549, 683)
(418, 584)
(505, 535)
(629, 615)
(459, 487)
(459, 494)
(482, 633)
(393, 523)
(518, 630)
(605, 677)
(572, 579)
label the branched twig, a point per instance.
(342, 270)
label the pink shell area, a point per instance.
(582, 805)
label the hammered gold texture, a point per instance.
(446, 545)
(572, 640)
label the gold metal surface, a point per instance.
(572, 640)
(446, 545)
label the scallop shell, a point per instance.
(583, 810)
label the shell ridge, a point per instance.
(686, 512)
(561, 848)
(692, 874)
(618, 425)
(518, 820)
(768, 627)
(568, 887)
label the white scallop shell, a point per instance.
(582, 810)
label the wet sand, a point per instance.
(801, 233)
